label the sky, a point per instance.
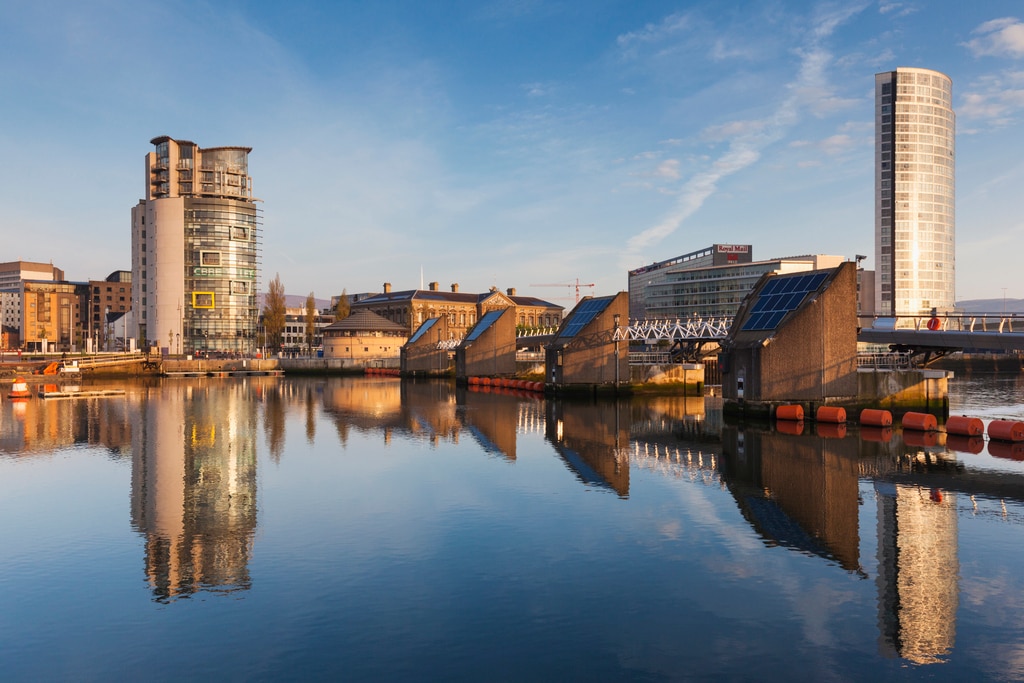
(508, 143)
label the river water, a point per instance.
(374, 529)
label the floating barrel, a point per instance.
(831, 430)
(872, 433)
(922, 422)
(789, 412)
(795, 427)
(964, 426)
(875, 418)
(965, 444)
(830, 414)
(1006, 430)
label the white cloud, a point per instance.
(653, 33)
(998, 38)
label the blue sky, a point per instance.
(506, 143)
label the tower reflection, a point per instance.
(194, 487)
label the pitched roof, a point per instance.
(366, 321)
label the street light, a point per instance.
(615, 319)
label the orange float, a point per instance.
(1006, 430)
(964, 426)
(922, 422)
(789, 412)
(934, 324)
(19, 389)
(830, 414)
(875, 418)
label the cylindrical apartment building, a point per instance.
(914, 193)
(196, 250)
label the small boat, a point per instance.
(19, 389)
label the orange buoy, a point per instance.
(831, 430)
(830, 414)
(19, 389)
(871, 433)
(965, 444)
(794, 427)
(965, 426)
(1006, 430)
(934, 324)
(922, 422)
(789, 412)
(875, 418)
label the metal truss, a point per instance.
(697, 329)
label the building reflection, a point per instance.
(39, 426)
(797, 491)
(592, 439)
(194, 487)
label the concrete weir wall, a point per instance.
(689, 377)
(904, 389)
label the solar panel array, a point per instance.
(780, 296)
(486, 321)
(583, 314)
(423, 328)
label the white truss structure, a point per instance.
(448, 344)
(712, 329)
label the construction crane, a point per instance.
(577, 285)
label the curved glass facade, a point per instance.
(914, 192)
(221, 275)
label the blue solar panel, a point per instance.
(484, 323)
(423, 328)
(583, 314)
(779, 296)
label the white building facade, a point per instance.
(914, 193)
(196, 250)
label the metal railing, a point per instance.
(900, 360)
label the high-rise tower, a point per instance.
(195, 250)
(914, 192)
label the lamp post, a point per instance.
(615, 319)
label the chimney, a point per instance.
(511, 291)
(433, 286)
(387, 287)
(455, 286)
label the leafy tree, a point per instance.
(310, 321)
(273, 313)
(342, 309)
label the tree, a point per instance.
(273, 313)
(310, 322)
(342, 309)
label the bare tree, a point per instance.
(310, 322)
(273, 313)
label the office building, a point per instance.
(707, 283)
(196, 250)
(914, 192)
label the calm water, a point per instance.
(366, 529)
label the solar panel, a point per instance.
(779, 296)
(486, 321)
(423, 328)
(583, 314)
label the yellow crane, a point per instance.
(577, 285)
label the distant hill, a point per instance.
(991, 305)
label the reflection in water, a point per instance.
(800, 492)
(917, 572)
(592, 438)
(38, 426)
(194, 486)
